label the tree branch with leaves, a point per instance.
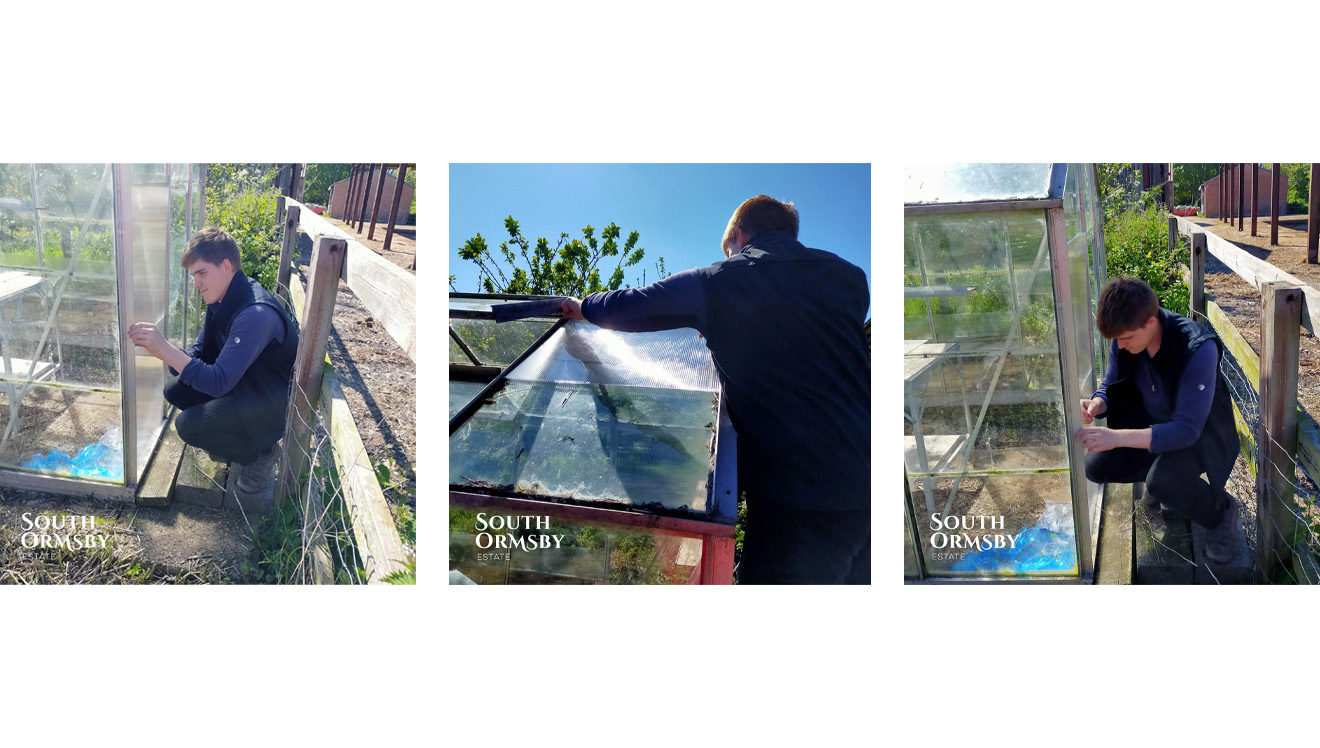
(571, 267)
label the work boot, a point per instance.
(255, 475)
(1222, 540)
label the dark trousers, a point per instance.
(1174, 478)
(214, 424)
(783, 545)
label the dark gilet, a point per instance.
(262, 393)
(784, 327)
(1218, 443)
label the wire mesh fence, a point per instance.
(317, 527)
(1282, 502)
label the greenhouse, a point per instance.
(579, 455)
(86, 250)
(1002, 266)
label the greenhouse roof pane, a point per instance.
(586, 354)
(495, 344)
(599, 416)
(967, 183)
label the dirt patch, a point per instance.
(403, 245)
(1241, 301)
(128, 544)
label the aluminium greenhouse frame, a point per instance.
(121, 185)
(1069, 347)
(716, 534)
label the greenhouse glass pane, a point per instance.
(599, 416)
(983, 395)
(965, 183)
(59, 354)
(148, 296)
(461, 393)
(585, 554)
(498, 344)
(998, 525)
(481, 305)
(65, 432)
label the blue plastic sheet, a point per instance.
(92, 461)
(1046, 546)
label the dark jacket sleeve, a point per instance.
(253, 329)
(669, 303)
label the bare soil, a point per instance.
(403, 245)
(1241, 301)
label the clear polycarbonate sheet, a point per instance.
(965, 183)
(599, 416)
(147, 297)
(583, 353)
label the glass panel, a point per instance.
(480, 305)
(461, 393)
(148, 296)
(58, 312)
(498, 344)
(982, 388)
(599, 416)
(64, 431)
(998, 524)
(584, 553)
(965, 183)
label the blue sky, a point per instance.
(679, 209)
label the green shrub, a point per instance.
(240, 199)
(1137, 244)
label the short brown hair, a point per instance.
(759, 215)
(214, 245)
(1126, 303)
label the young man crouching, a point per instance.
(1169, 411)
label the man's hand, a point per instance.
(1100, 439)
(572, 308)
(145, 335)
(1093, 409)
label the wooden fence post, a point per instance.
(1173, 235)
(1313, 218)
(279, 208)
(1280, 323)
(394, 208)
(366, 196)
(1255, 198)
(1197, 261)
(323, 287)
(375, 210)
(286, 251)
(1274, 206)
(1241, 194)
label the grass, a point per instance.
(119, 562)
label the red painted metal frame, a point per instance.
(591, 514)
(717, 539)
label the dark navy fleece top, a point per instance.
(253, 329)
(1176, 417)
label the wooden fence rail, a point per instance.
(1288, 434)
